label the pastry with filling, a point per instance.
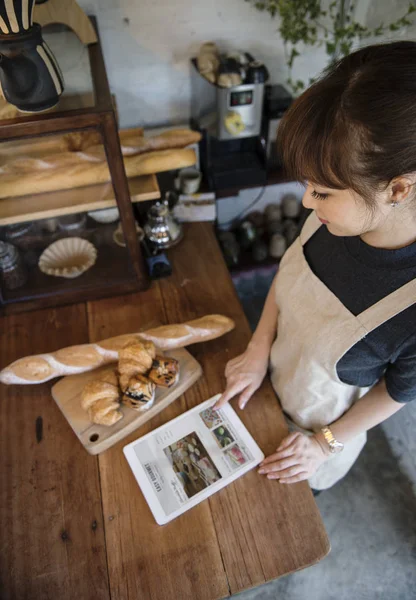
(164, 371)
(139, 393)
(135, 359)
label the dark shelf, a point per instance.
(117, 270)
(246, 262)
(112, 271)
(274, 176)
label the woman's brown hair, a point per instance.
(355, 128)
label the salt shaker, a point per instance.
(277, 246)
(12, 270)
(273, 212)
(290, 206)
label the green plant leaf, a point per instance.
(330, 47)
(345, 48)
(299, 22)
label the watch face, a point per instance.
(336, 447)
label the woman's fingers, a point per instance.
(245, 396)
(286, 473)
(288, 451)
(230, 392)
(285, 449)
(296, 478)
(279, 465)
(232, 365)
(288, 440)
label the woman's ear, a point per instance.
(400, 189)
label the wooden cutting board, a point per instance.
(97, 438)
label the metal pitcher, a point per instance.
(162, 229)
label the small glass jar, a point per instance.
(20, 235)
(73, 224)
(12, 270)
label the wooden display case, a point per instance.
(117, 270)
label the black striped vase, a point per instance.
(30, 76)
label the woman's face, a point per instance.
(343, 211)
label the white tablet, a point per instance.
(190, 458)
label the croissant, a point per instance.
(135, 359)
(101, 399)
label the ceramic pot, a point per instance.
(30, 77)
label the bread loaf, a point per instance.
(77, 141)
(78, 359)
(200, 330)
(69, 170)
(174, 138)
(132, 141)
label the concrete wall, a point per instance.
(147, 45)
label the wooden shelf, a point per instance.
(66, 202)
(116, 271)
(113, 271)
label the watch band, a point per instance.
(334, 445)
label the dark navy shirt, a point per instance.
(360, 275)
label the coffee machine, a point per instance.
(233, 148)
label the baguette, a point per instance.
(68, 170)
(82, 140)
(86, 357)
(175, 138)
(132, 141)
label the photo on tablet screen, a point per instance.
(210, 417)
(223, 436)
(236, 456)
(192, 464)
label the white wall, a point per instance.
(148, 43)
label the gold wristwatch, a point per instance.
(334, 445)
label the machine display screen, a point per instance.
(241, 98)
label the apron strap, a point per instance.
(311, 226)
(388, 307)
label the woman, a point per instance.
(343, 302)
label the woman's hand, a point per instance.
(244, 375)
(297, 458)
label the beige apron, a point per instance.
(315, 330)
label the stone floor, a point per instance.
(370, 516)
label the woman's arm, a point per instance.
(299, 456)
(246, 372)
(373, 408)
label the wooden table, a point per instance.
(76, 526)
